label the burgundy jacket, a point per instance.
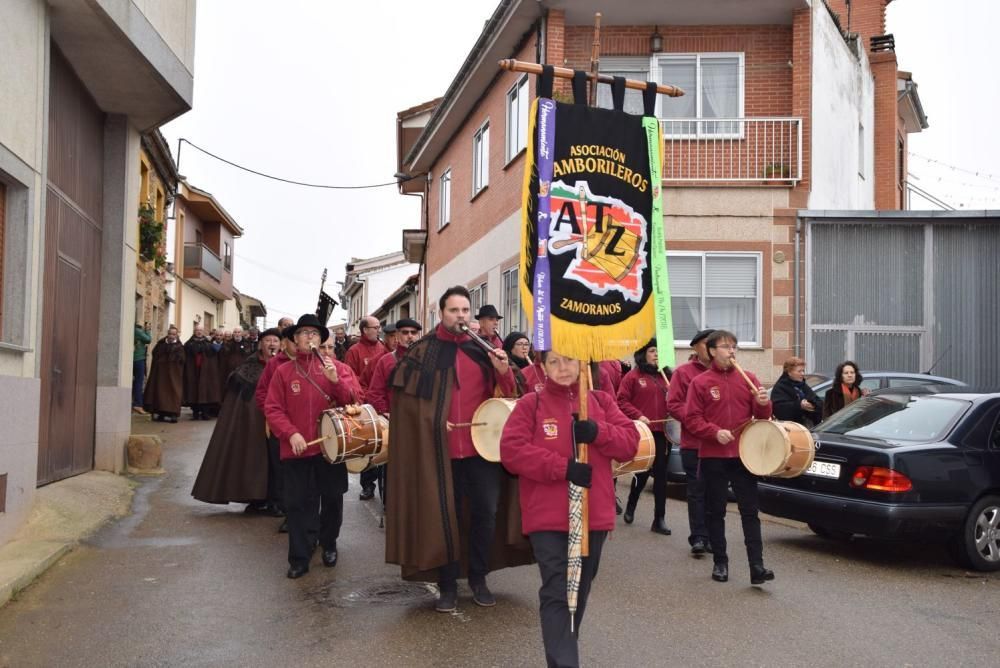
(260, 394)
(363, 355)
(470, 391)
(537, 444)
(614, 370)
(379, 394)
(643, 394)
(717, 400)
(677, 399)
(294, 404)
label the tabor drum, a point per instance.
(487, 426)
(777, 449)
(672, 430)
(348, 435)
(644, 456)
(366, 463)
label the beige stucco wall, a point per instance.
(22, 73)
(174, 20)
(194, 303)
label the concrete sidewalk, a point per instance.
(64, 513)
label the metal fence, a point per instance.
(732, 149)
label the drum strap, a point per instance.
(313, 383)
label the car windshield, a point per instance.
(897, 417)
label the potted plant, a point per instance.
(151, 237)
(777, 170)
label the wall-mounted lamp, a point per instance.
(656, 41)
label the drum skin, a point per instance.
(493, 413)
(350, 437)
(644, 456)
(672, 430)
(777, 449)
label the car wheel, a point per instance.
(832, 534)
(978, 545)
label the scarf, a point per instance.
(850, 394)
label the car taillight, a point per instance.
(880, 479)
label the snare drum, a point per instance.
(487, 426)
(777, 449)
(352, 437)
(644, 456)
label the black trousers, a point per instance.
(695, 496)
(311, 490)
(718, 474)
(369, 478)
(549, 548)
(275, 476)
(659, 473)
(476, 483)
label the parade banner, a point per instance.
(593, 260)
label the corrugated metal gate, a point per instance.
(903, 295)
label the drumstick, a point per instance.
(453, 425)
(658, 421)
(753, 387)
(665, 379)
(317, 440)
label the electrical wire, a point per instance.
(981, 174)
(291, 181)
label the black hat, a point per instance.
(408, 322)
(703, 334)
(308, 320)
(488, 311)
(274, 331)
(389, 328)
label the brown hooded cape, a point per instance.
(235, 463)
(165, 387)
(201, 373)
(423, 532)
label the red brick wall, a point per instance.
(473, 217)
(886, 124)
(867, 17)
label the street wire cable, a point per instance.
(283, 180)
(980, 173)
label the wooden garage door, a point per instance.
(71, 277)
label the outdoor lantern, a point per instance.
(656, 41)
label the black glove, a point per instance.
(579, 474)
(585, 431)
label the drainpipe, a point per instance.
(798, 273)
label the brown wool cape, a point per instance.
(201, 383)
(235, 463)
(423, 532)
(165, 387)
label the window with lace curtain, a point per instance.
(510, 302)
(713, 83)
(715, 290)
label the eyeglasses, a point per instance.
(372, 327)
(523, 344)
(327, 347)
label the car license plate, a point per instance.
(824, 469)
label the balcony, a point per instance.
(204, 269)
(732, 150)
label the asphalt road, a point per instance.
(184, 583)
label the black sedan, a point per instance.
(919, 463)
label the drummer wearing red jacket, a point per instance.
(537, 445)
(298, 394)
(720, 404)
(643, 396)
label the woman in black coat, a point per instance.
(792, 397)
(845, 389)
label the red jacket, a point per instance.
(294, 405)
(614, 370)
(537, 444)
(718, 399)
(361, 356)
(260, 394)
(643, 394)
(534, 377)
(467, 393)
(379, 394)
(677, 398)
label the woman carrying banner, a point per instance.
(538, 444)
(643, 396)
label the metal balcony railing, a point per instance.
(732, 149)
(199, 256)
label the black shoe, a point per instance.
(274, 510)
(256, 508)
(618, 506)
(367, 493)
(295, 572)
(157, 417)
(482, 596)
(284, 527)
(172, 419)
(330, 558)
(720, 572)
(447, 601)
(759, 575)
(698, 547)
(660, 527)
(629, 515)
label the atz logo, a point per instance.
(606, 236)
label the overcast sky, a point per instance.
(308, 90)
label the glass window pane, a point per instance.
(686, 313)
(678, 72)
(731, 276)
(684, 273)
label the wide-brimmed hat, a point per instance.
(308, 320)
(703, 334)
(488, 311)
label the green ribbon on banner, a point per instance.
(661, 282)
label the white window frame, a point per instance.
(759, 297)
(480, 159)
(631, 66)
(654, 69)
(512, 310)
(444, 197)
(515, 133)
(477, 292)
